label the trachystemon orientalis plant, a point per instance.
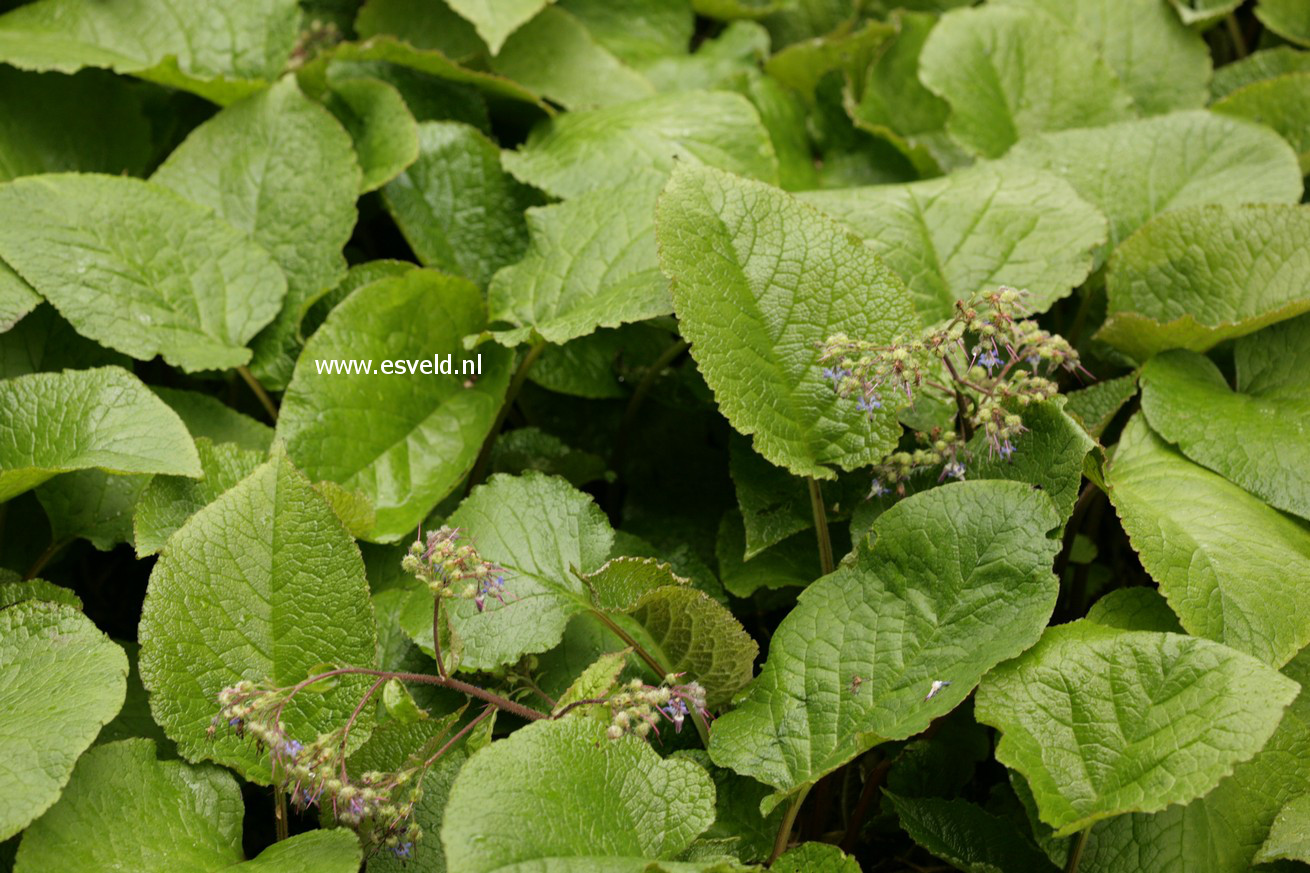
(379, 805)
(989, 360)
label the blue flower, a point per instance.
(879, 489)
(990, 359)
(869, 404)
(953, 470)
(404, 850)
(1006, 449)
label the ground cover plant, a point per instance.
(654, 435)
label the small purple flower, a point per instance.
(676, 712)
(869, 404)
(1034, 361)
(953, 470)
(1006, 449)
(879, 489)
(404, 850)
(291, 748)
(990, 359)
(493, 585)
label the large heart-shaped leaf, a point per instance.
(760, 282)
(241, 592)
(974, 230)
(1103, 721)
(279, 167)
(1229, 565)
(1137, 169)
(1222, 831)
(1282, 102)
(61, 680)
(1191, 279)
(405, 438)
(495, 20)
(134, 266)
(1256, 439)
(628, 806)
(79, 419)
(957, 580)
(1011, 72)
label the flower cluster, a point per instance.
(454, 569)
(636, 708)
(379, 806)
(989, 360)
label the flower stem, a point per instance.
(436, 635)
(264, 399)
(784, 829)
(821, 527)
(280, 816)
(479, 470)
(1076, 850)
(638, 398)
(660, 670)
(1235, 33)
(55, 547)
(423, 678)
(486, 711)
(345, 733)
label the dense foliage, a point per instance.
(882, 446)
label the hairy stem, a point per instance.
(55, 547)
(423, 678)
(660, 670)
(345, 732)
(479, 470)
(784, 829)
(821, 527)
(961, 405)
(1235, 34)
(1076, 850)
(436, 635)
(264, 400)
(486, 711)
(280, 816)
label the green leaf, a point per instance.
(356, 277)
(628, 806)
(1103, 721)
(459, 211)
(61, 680)
(408, 438)
(45, 343)
(35, 589)
(1190, 279)
(620, 583)
(334, 851)
(1160, 62)
(137, 268)
(1257, 67)
(495, 20)
(774, 504)
(1282, 103)
(80, 419)
(638, 31)
(540, 529)
(1289, 19)
(1289, 835)
(556, 56)
(815, 858)
(125, 810)
(530, 448)
(1203, 13)
(793, 562)
(422, 24)
(219, 50)
(637, 144)
(1226, 562)
(1141, 609)
(592, 263)
(691, 633)
(975, 230)
(91, 122)
(93, 505)
(957, 581)
(1255, 440)
(206, 416)
(597, 681)
(967, 836)
(240, 593)
(1222, 831)
(17, 298)
(377, 118)
(1096, 405)
(427, 60)
(168, 501)
(1137, 169)
(1009, 73)
(279, 167)
(759, 283)
(134, 719)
